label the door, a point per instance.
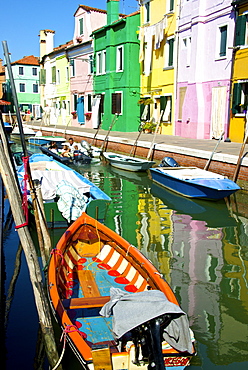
(80, 110)
(218, 113)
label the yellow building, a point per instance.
(240, 74)
(158, 63)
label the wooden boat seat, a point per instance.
(88, 284)
(73, 303)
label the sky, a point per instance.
(21, 22)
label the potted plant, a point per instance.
(149, 127)
(74, 114)
(87, 115)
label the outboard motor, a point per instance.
(168, 162)
(85, 145)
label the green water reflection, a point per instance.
(200, 247)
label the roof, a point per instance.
(29, 60)
(63, 46)
(89, 8)
(122, 18)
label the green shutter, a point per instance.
(81, 26)
(236, 98)
(223, 38)
(89, 103)
(163, 100)
(240, 30)
(171, 50)
(54, 74)
(42, 77)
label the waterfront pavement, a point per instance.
(226, 152)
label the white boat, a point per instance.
(128, 163)
(39, 139)
(27, 131)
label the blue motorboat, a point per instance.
(193, 182)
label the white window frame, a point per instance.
(101, 62)
(57, 77)
(120, 58)
(67, 74)
(218, 41)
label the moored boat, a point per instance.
(193, 182)
(66, 193)
(27, 132)
(113, 305)
(76, 157)
(127, 163)
(39, 139)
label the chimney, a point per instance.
(46, 42)
(112, 11)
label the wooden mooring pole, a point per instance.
(13, 191)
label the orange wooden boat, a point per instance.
(115, 308)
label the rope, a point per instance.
(57, 252)
(67, 329)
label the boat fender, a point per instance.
(168, 162)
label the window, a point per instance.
(35, 88)
(240, 97)
(34, 71)
(54, 75)
(89, 102)
(171, 6)
(165, 105)
(147, 12)
(58, 77)
(101, 62)
(81, 26)
(75, 100)
(241, 30)
(21, 71)
(116, 103)
(169, 53)
(101, 108)
(119, 59)
(222, 40)
(72, 65)
(145, 111)
(91, 64)
(67, 75)
(22, 87)
(187, 46)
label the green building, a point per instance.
(117, 74)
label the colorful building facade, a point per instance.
(158, 60)
(116, 74)
(239, 99)
(205, 41)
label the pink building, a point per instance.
(205, 41)
(80, 55)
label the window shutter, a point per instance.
(89, 103)
(42, 77)
(240, 30)
(171, 49)
(81, 26)
(54, 74)
(223, 38)
(236, 99)
(101, 109)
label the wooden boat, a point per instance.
(66, 193)
(113, 305)
(128, 163)
(76, 158)
(194, 182)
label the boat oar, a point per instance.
(133, 150)
(212, 154)
(236, 172)
(155, 134)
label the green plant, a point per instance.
(149, 126)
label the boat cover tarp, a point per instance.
(71, 203)
(131, 310)
(49, 180)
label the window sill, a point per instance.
(168, 68)
(240, 115)
(220, 58)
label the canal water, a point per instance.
(200, 247)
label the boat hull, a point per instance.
(96, 206)
(127, 163)
(88, 261)
(45, 140)
(201, 188)
(80, 158)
